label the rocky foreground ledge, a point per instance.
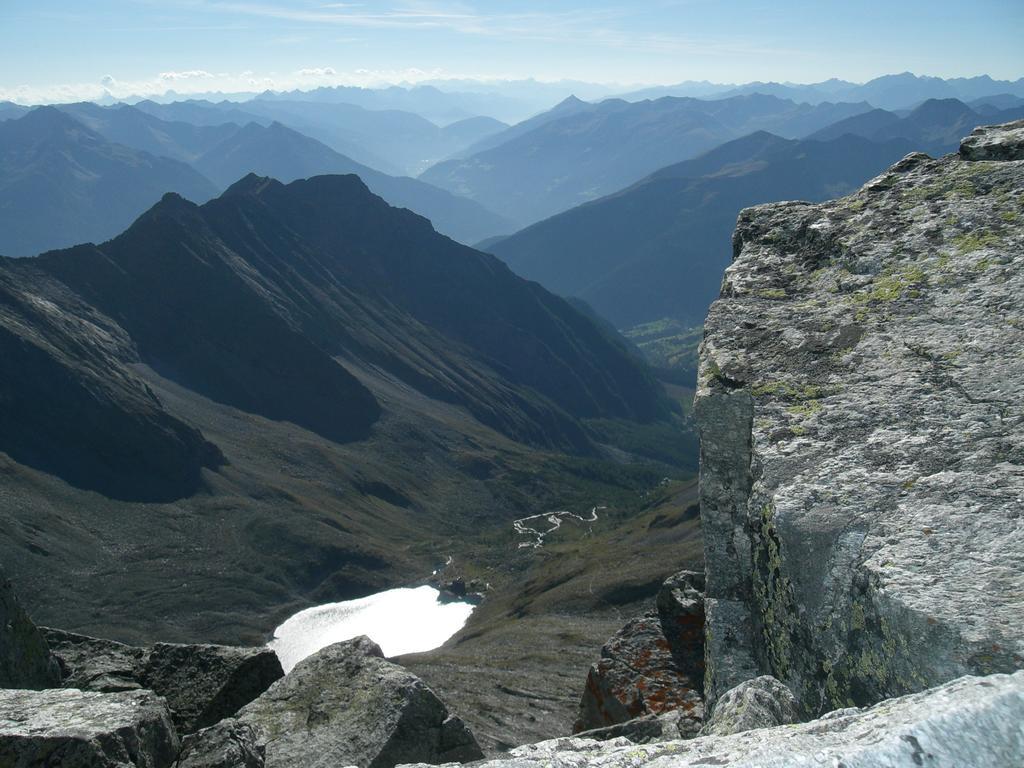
(83, 702)
(969, 722)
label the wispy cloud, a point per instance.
(595, 27)
(318, 72)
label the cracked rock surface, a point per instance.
(861, 406)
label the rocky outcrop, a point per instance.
(995, 142)
(763, 702)
(652, 666)
(94, 664)
(346, 705)
(25, 660)
(83, 729)
(861, 401)
(202, 684)
(969, 723)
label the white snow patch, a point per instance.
(398, 620)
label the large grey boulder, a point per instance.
(860, 403)
(969, 723)
(202, 684)
(346, 705)
(228, 744)
(763, 702)
(652, 666)
(82, 729)
(25, 660)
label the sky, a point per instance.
(64, 50)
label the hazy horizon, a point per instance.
(119, 49)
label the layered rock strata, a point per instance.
(861, 407)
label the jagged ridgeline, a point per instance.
(249, 299)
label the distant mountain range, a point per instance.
(62, 183)
(440, 101)
(497, 179)
(391, 141)
(441, 107)
(287, 155)
(221, 153)
(581, 151)
(658, 249)
(511, 101)
(892, 92)
(936, 126)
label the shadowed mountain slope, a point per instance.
(69, 404)
(249, 299)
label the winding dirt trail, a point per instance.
(554, 519)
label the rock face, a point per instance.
(652, 666)
(25, 660)
(80, 729)
(202, 684)
(763, 702)
(346, 705)
(860, 403)
(969, 723)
